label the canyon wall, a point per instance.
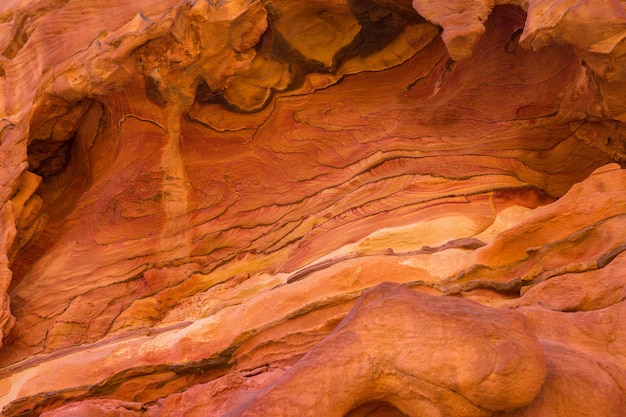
(322, 208)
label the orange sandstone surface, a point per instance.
(375, 208)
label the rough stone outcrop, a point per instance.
(200, 202)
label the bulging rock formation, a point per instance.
(325, 208)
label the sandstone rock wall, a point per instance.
(324, 208)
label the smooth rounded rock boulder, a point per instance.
(416, 352)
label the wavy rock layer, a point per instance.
(336, 208)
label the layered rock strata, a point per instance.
(339, 208)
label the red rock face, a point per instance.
(328, 208)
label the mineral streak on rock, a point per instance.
(333, 207)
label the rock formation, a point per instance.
(322, 208)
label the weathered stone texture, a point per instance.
(333, 207)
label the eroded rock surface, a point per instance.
(415, 352)
(199, 201)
